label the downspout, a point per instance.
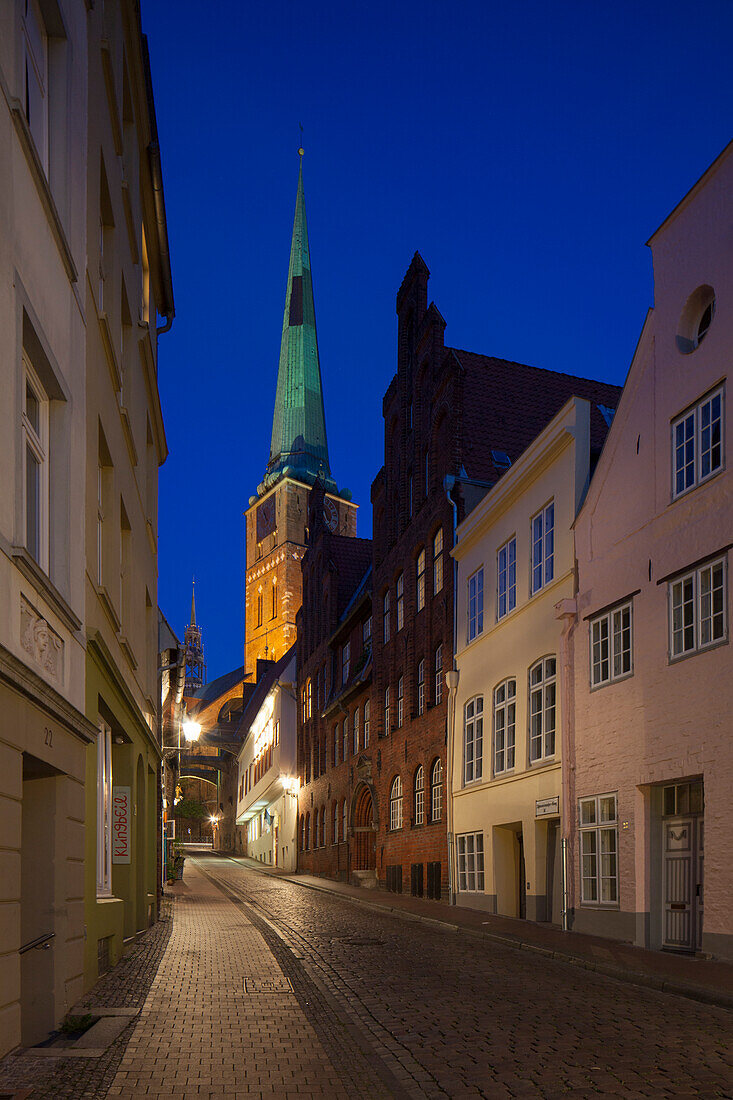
(567, 611)
(451, 680)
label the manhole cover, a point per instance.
(268, 985)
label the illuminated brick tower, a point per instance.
(277, 517)
(194, 646)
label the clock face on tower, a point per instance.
(330, 514)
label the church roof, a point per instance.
(299, 448)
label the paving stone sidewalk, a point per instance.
(221, 1019)
(125, 987)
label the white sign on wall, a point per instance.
(121, 824)
(547, 807)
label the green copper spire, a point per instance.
(299, 448)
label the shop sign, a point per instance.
(121, 824)
(547, 807)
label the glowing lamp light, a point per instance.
(191, 729)
(291, 783)
(213, 820)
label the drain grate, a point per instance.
(268, 985)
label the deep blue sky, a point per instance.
(527, 149)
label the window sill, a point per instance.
(610, 683)
(32, 571)
(608, 906)
(698, 485)
(675, 660)
(38, 173)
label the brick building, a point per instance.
(448, 414)
(335, 762)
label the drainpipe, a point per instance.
(451, 680)
(566, 610)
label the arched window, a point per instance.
(542, 709)
(335, 745)
(344, 820)
(504, 718)
(301, 825)
(346, 737)
(400, 601)
(386, 711)
(420, 579)
(436, 790)
(395, 804)
(438, 560)
(385, 616)
(473, 739)
(400, 701)
(438, 673)
(335, 834)
(307, 843)
(421, 687)
(323, 826)
(259, 608)
(273, 614)
(309, 698)
(356, 731)
(419, 796)
(366, 724)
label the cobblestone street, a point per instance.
(266, 988)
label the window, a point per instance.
(259, 608)
(419, 796)
(697, 609)
(697, 443)
(366, 631)
(471, 862)
(386, 711)
(438, 561)
(543, 547)
(309, 698)
(421, 687)
(385, 616)
(356, 731)
(506, 578)
(504, 726)
(273, 605)
(421, 580)
(366, 724)
(395, 804)
(400, 700)
(345, 662)
(610, 646)
(344, 820)
(598, 850)
(35, 457)
(346, 738)
(104, 810)
(439, 673)
(436, 790)
(473, 739)
(475, 604)
(335, 833)
(400, 602)
(542, 710)
(35, 42)
(335, 745)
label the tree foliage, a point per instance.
(189, 807)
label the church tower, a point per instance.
(194, 647)
(277, 517)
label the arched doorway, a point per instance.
(364, 855)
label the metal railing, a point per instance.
(42, 943)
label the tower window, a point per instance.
(274, 600)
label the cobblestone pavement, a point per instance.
(125, 986)
(448, 1015)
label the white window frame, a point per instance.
(439, 673)
(473, 740)
(506, 578)
(386, 711)
(598, 847)
(470, 863)
(543, 734)
(419, 795)
(400, 701)
(395, 804)
(367, 730)
(438, 561)
(400, 602)
(475, 605)
(35, 440)
(691, 443)
(366, 630)
(696, 607)
(104, 810)
(420, 580)
(505, 718)
(610, 659)
(436, 790)
(542, 543)
(421, 686)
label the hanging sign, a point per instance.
(121, 824)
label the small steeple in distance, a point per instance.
(194, 646)
(299, 448)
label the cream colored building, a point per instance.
(127, 287)
(267, 787)
(515, 586)
(44, 733)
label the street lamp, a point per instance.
(291, 783)
(191, 729)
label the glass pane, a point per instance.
(588, 811)
(32, 503)
(669, 801)
(31, 407)
(608, 808)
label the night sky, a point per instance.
(526, 149)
